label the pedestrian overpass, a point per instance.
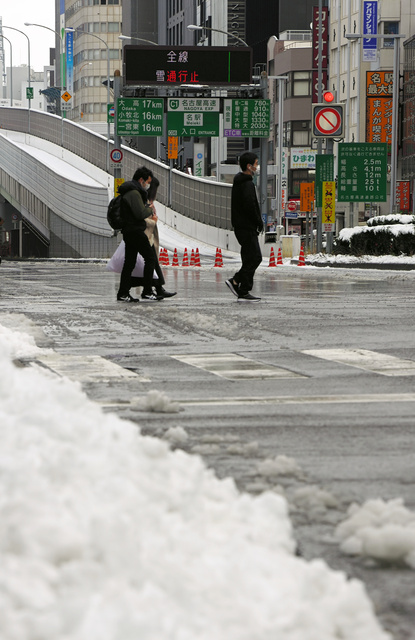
(55, 187)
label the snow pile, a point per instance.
(108, 534)
(280, 466)
(313, 499)
(156, 401)
(383, 530)
(176, 435)
(395, 229)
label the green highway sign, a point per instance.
(362, 172)
(140, 116)
(193, 117)
(247, 118)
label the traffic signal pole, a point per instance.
(320, 98)
(117, 138)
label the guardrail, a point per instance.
(196, 198)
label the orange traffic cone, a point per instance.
(279, 258)
(162, 257)
(197, 258)
(166, 261)
(175, 262)
(272, 258)
(192, 259)
(218, 259)
(185, 262)
(301, 261)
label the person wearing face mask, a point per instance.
(134, 211)
(247, 225)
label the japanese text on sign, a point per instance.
(379, 106)
(193, 117)
(140, 116)
(403, 195)
(303, 158)
(247, 118)
(328, 205)
(362, 172)
(172, 65)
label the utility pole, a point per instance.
(263, 179)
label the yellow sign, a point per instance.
(66, 96)
(117, 183)
(328, 208)
(307, 196)
(173, 147)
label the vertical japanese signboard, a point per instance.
(199, 159)
(307, 196)
(328, 206)
(403, 195)
(370, 26)
(362, 172)
(69, 62)
(324, 173)
(379, 106)
(172, 147)
(324, 53)
(284, 178)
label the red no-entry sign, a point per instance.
(328, 120)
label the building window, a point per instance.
(297, 133)
(296, 177)
(298, 84)
(113, 27)
(390, 27)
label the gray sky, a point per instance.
(14, 14)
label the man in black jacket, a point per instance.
(134, 211)
(247, 224)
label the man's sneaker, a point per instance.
(165, 294)
(151, 297)
(248, 297)
(127, 298)
(233, 287)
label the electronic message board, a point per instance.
(164, 65)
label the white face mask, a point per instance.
(146, 186)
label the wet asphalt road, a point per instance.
(351, 430)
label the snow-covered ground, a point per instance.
(112, 535)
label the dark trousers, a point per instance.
(251, 259)
(139, 282)
(137, 242)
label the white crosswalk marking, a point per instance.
(368, 360)
(363, 398)
(85, 368)
(234, 367)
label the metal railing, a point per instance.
(197, 198)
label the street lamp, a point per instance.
(43, 26)
(28, 61)
(281, 80)
(395, 104)
(11, 69)
(94, 35)
(122, 37)
(195, 27)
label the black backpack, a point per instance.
(114, 214)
